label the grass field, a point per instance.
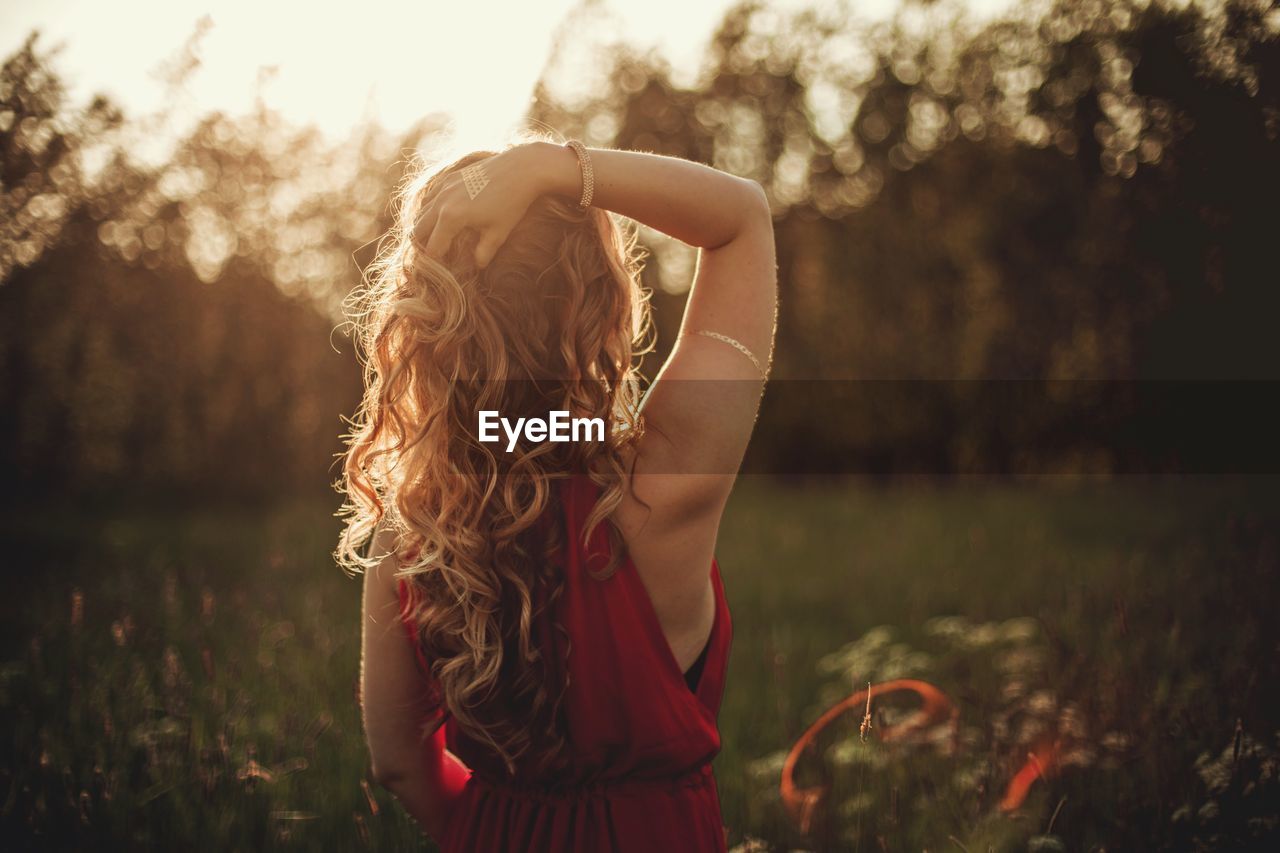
(185, 679)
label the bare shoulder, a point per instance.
(383, 573)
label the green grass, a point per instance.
(215, 644)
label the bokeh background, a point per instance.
(1019, 441)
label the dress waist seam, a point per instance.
(698, 777)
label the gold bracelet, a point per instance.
(588, 176)
(725, 339)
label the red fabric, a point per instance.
(447, 775)
(641, 742)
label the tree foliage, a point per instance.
(1077, 192)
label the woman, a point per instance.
(545, 631)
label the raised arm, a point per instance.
(702, 406)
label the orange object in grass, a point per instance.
(802, 804)
(1040, 763)
(935, 708)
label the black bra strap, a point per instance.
(694, 673)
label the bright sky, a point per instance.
(475, 59)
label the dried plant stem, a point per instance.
(866, 720)
(1049, 831)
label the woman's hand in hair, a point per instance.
(492, 214)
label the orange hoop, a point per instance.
(802, 804)
(935, 708)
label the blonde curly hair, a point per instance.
(556, 321)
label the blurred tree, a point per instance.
(1074, 193)
(1079, 193)
(166, 336)
(41, 178)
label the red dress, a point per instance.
(641, 739)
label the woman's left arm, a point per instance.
(401, 722)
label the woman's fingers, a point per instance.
(487, 246)
(442, 233)
(448, 214)
(426, 222)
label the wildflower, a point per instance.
(252, 770)
(172, 667)
(1115, 741)
(171, 592)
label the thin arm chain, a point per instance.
(725, 339)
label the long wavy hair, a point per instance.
(555, 322)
